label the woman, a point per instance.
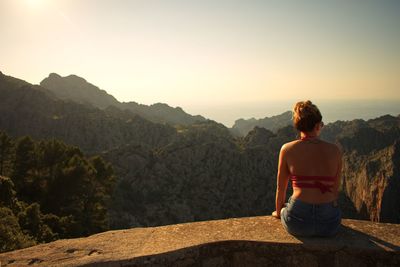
(314, 167)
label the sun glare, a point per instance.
(35, 3)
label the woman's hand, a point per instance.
(275, 214)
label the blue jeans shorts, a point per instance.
(305, 219)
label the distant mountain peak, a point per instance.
(77, 89)
(54, 75)
(242, 127)
(159, 104)
(76, 78)
(72, 78)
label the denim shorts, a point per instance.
(305, 219)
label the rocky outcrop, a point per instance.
(371, 160)
(258, 137)
(253, 241)
(77, 89)
(372, 183)
(242, 127)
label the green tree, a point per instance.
(104, 174)
(24, 164)
(32, 221)
(7, 193)
(11, 234)
(5, 150)
(51, 154)
(102, 184)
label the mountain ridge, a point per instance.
(242, 127)
(32, 110)
(77, 89)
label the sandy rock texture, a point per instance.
(251, 241)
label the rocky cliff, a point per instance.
(371, 165)
(372, 183)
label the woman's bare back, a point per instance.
(314, 158)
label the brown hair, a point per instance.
(305, 116)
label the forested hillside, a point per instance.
(49, 190)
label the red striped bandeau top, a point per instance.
(297, 182)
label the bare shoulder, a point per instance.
(288, 146)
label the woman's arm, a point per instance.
(282, 179)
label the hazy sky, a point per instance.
(208, 53)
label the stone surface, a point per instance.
(251, 241)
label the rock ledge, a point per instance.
(251, 241)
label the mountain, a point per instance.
(78, 90)
(32, 110)
(201, 171)
(242, 126)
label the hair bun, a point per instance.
(306, 115)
